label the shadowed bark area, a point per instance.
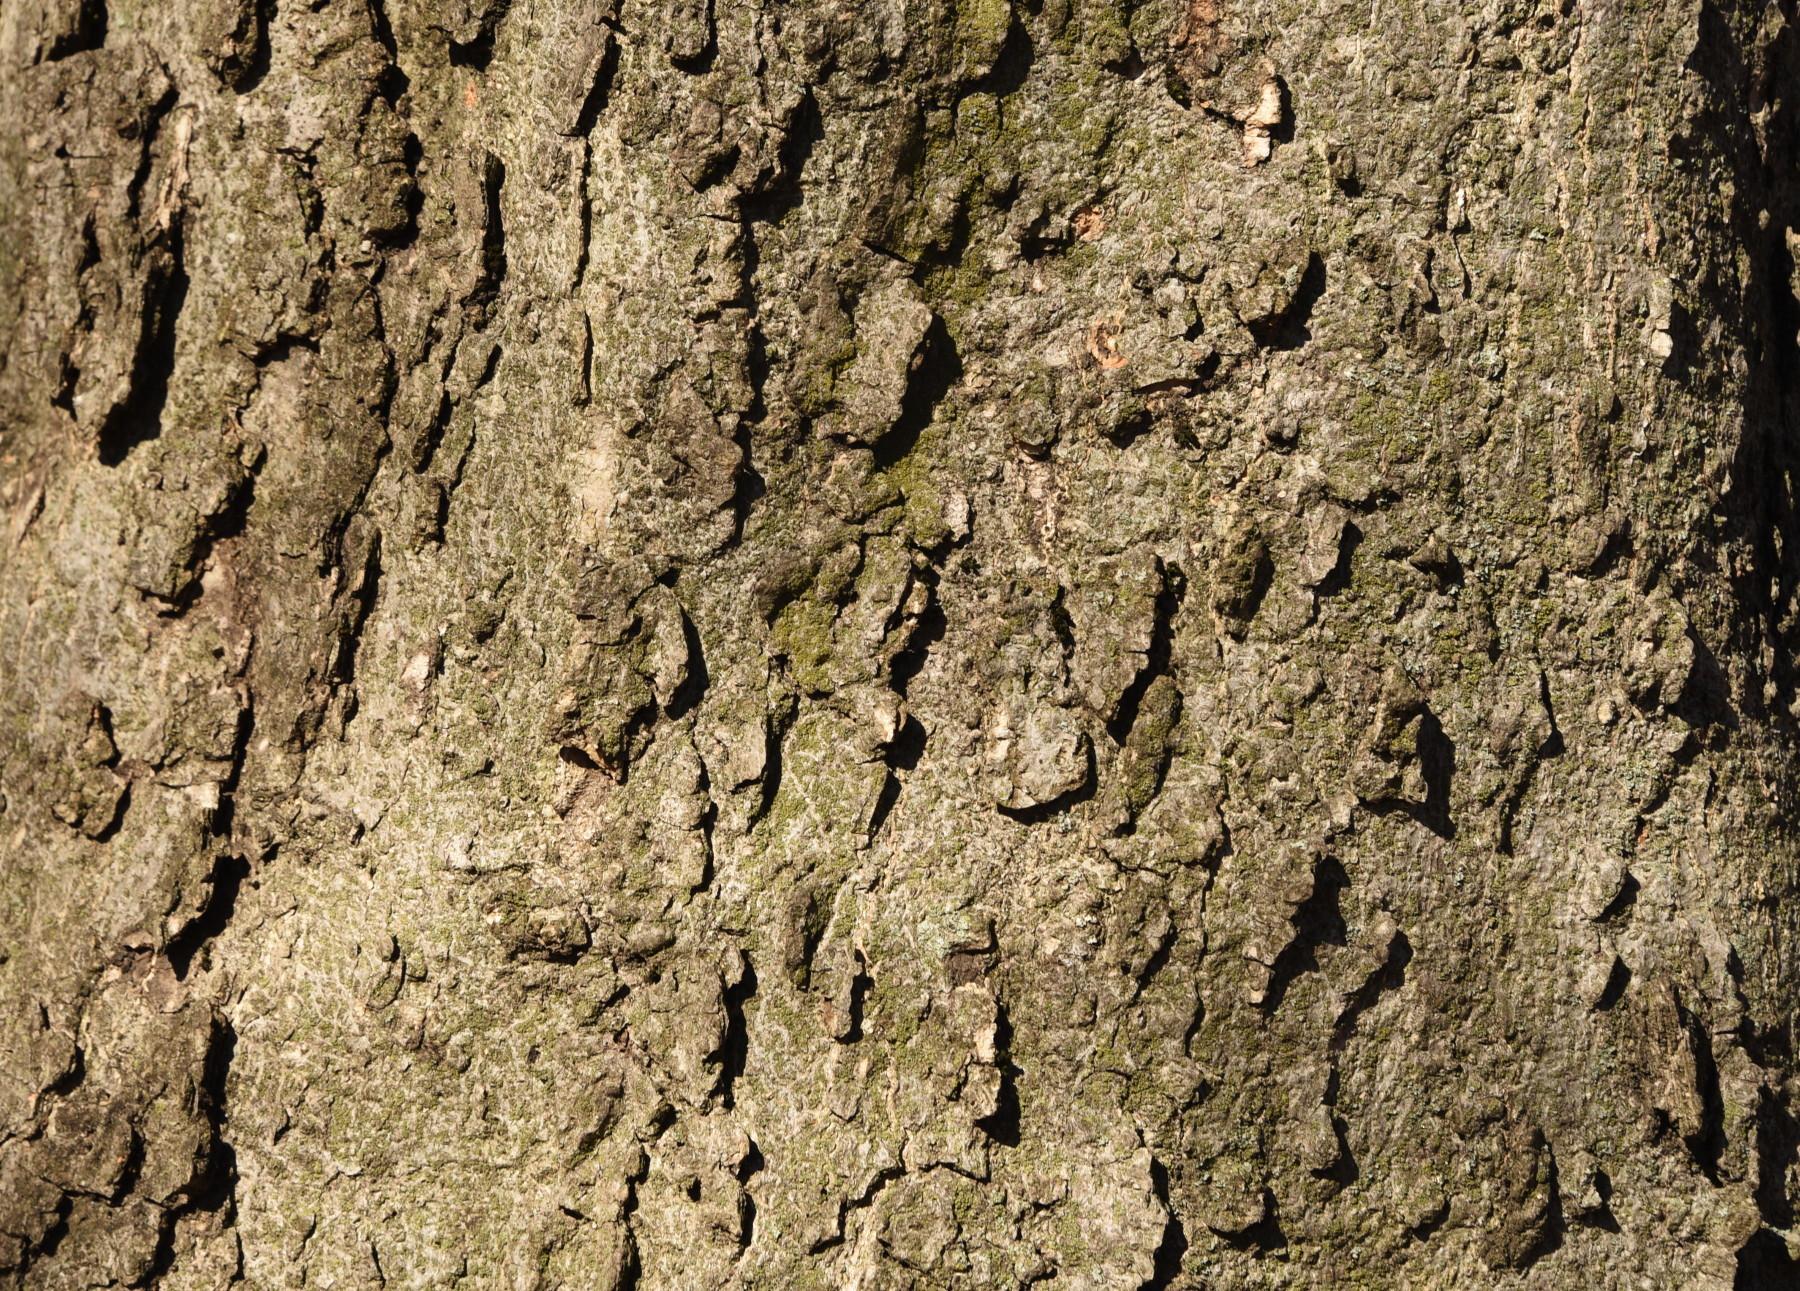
(1106, 644)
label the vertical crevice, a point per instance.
(86, 31)
(735, 1052)
(139, 419)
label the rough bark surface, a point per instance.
(900, 644)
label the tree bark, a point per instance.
(903, 644)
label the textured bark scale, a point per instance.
(1102, 644)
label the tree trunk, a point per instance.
(899, 644)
